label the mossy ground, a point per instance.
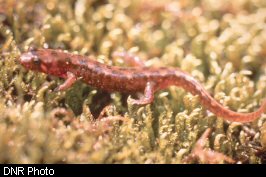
(222, 44)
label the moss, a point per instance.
(221, 45)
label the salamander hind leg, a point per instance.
(71, 79)
(130, 59)
(206, 155)
(148, 95)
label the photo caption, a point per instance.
(27, 171)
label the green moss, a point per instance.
(223, 46)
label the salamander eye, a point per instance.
(36, 61)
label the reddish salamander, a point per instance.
(126, 79)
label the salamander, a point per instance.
(126, 79)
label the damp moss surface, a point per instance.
(222, 44)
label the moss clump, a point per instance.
(222, 45)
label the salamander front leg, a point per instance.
(148, 95)
(71, 79)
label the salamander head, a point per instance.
(30, 61)
(42, 61)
